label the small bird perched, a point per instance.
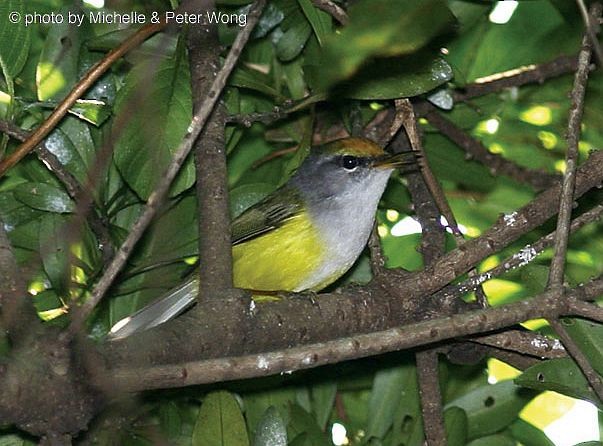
(303, 236)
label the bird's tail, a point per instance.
(167, 307)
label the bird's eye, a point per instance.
(349, 162)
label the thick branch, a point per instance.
(210, 160)
(391, 300)
(135, 378)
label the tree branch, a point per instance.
(539, 180)
(215, 248)
(524, 256)
(556, 273)
(390, 300)
(136, 378)
(336, 11)
(422, 187)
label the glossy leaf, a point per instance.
(492, 408)
(319, 20)
(271, 430)
(220, 422)
(15, 38)
(295, 28)
(44, 197)
(493, 440)
(588, 336)
(529, 435)
(154, 130)
(381, 28)
(388, 387)
(54, 250)
(58, 67)
(323, 398)
(559, 375)
(398, 78)
(455, 421)
(303, 429)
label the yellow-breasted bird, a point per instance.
(303, 236)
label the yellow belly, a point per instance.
(281, 259)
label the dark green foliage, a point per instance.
(337, 79)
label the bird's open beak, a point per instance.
(397, 160)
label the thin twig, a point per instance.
(80, 88)
(524, 343)
(556, 273)
(475, 149)
(433, 244)
(572, 348)
(336, 11)
(571, 160)
(157, 196)
(591, 24)
(524, 256)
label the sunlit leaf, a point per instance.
(560, 375)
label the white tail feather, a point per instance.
(167, 307)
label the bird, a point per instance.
(303, 236)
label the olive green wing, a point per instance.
(267, 215)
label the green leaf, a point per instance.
(14, 440)
(303, 430)
(15, 38)
(559, 375)
(57, 69)
(257, 403)
(381, 28)
(398, 77)
(493, 440)
(44, 197)
(529, 435)
(55, 251)
(91, 110)
(491, 408)
(323, 398)
(319, 20)
(253, 80)
(220, 422)
(271, 430)
(455, 421)
(170, 420)
(296, 30)
(246, 195)
(388, 387)
(588, 336)
(153, 131)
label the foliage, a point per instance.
(389, 50)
